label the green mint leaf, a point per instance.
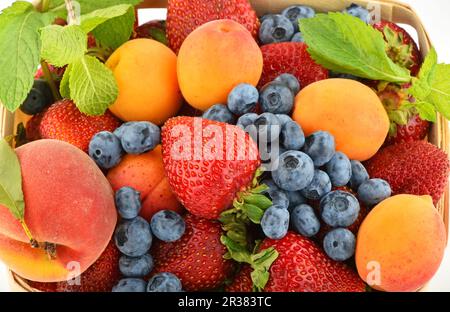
(345, 44)
(11, 195)
(63, 45)
(421, 86)
(92, 86)
(87, 6)
(95, 18)
(440, 90)
(18, 7)
(64, 86)
(426, 111)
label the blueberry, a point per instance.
(298, 37)
(290, 81)
(38, 99)
(359, 12)
(246, 123)
(374, 191)
(167, 225)
(133, 237)
(272, 151)
(243, 99)
(296, 12)
(268, 127)
(292, 136)
(295, 171)
(105, 149)
(264, 17)
(275, 222)
(339, 244)
(295, 198)
(339, 208)
(283, 119)
(128, 202)
(279, 197)
(164, 282)
(339, 169)
(305, 221)
(320, 147)
(320, 186)
(359, 174)
(139, 137)
(276, 28)
(219, 112)
(276, 98)
(130, 285)
(136, 267)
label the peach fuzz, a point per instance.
(68, 202)
(401, 243)
(146, 74)
(347, 109)
(213, 59)
(146, 174)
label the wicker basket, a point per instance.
(391, 10)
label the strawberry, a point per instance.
(417, 168)
(32, 128)
(197, 258)
(155, 30)
(63, 121)
(292, 58)
(207, 174)
(416, 129)
(57, 72)
(183, 16)
(302, 266)
(401, 47)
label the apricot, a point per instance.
(146, 174)
(68, 204)
(215, 58)
(146, 73)
(349, 110)
(401, 243)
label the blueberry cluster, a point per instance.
(136, 137)
(134, 236)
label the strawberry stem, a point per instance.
(72, 18)
(51, 82)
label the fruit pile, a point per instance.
(219, 150)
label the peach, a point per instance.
(213, 59)
(400, 244)
(146, 174)
(347, 109)
(146, 73)
(68, 204)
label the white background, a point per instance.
(435, 16)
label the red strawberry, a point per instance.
(417, 168)
(242, 282)
(416, 129)
(32, 128)
(63, 121)
(57, 72)
(207, 174)
(401, 47)
(197, 258)
(292, 58)
(155, 29)
(301, 266)
(183, 16)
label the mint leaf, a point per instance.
(115, 32)
(426, 111)
(87, 6)
(345, 44)
(92, 85)
(63, 45)
(440, 90)
(11, 195)
(95, 18)
(64, 86)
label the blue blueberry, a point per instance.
(292, 136)
(359, 12)
(276, 28)
(133, 237)
(359, 174)
(295, 198)
(128, 202)
(290, 81)
(339, 244)
(319, 186)
(283, 119)
(339, 209)
(275, 222)
(167, 225)
(276, 98)
(219, 112)
(296, 12)
(305, 221)
(246, 120)
(268, 127)
(374, 191)
(320, 146)
(243, 99)
(39, 98)
(164, 282)
(339, 169)
(138, 137)
(130, 285)
(105, 149)
(279, 197)
(136, 267)
(294, 172)
(298, 37)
